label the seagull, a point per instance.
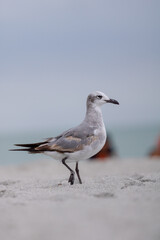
(78, 143)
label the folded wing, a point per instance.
(70, 141)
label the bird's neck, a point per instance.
(94, 116)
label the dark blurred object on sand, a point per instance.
(106, 152)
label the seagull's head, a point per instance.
(98, 98)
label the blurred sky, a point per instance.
(54, 53)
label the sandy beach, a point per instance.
(119, 199)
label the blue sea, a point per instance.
(128, 142)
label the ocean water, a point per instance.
(128, 142)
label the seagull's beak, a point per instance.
(112, 101)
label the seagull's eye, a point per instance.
(99, 96)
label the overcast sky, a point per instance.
(54, 53)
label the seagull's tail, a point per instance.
(30, 148)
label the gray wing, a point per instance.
(70, 141)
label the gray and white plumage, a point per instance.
(78, 143)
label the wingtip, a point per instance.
(18, 145)
(18, 150)
(11, 149)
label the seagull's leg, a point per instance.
(77, 171)
(71, 178)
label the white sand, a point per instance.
(118, 200)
